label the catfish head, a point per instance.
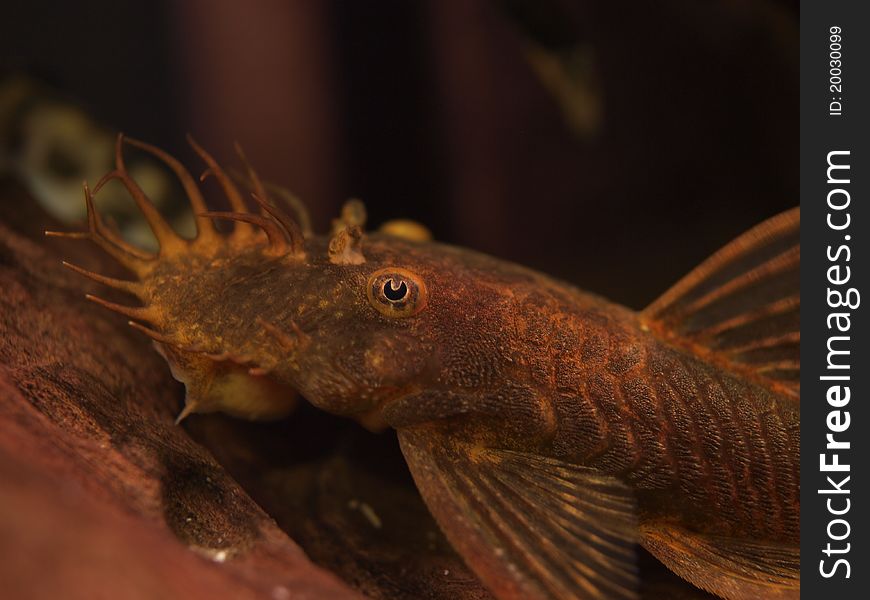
(356, 323)
(408, 331)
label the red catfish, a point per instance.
(548, 430)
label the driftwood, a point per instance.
(101, 495)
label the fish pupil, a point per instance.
(393, 293)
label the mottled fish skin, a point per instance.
(580, 379)
(699, 445)
(488, 370)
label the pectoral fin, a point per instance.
(731, 568)
(530, 527)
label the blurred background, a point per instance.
(612, 144)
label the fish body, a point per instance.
(548, 430)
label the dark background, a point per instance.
(429, 110)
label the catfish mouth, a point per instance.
(342, 395)
(370, 413)
(373, 418)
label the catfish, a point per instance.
(549, 431)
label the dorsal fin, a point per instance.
(741, 307)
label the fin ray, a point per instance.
(571, 539)
(731, 568)
(741, 306)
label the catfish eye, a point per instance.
(396, 292)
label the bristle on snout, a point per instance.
(170, 242)
(135, 259)
(234, 196)
(283, 235)
(277, 241)
(130, 287)
(143, 313)
(206, 233)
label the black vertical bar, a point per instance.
(835, 225)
